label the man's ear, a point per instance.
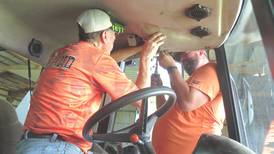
(103, 36)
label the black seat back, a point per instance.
(214, 144)
(10, 128)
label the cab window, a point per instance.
(252, 82)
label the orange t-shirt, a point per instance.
(70, 90)
(177, 132)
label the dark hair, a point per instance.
(89, 37)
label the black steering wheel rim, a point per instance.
(128, 99)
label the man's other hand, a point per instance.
(152, 45)
(156, 80)
(166, 60)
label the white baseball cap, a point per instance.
(94, 20)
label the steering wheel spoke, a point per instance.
(142, 121)
(151, 122)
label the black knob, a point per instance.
(200, 31)
(198, 12)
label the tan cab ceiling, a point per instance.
(53, 22)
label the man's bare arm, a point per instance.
(188, 98)
(150, 48)
(122, 54)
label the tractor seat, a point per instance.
(10, 128)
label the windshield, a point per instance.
(250, 74)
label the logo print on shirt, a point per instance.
(61, 61)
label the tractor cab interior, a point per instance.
(237, 35)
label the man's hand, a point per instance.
(152, 45)
(165, 60)
(156, 80)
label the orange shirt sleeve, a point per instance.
(111, 79)
(205, 79)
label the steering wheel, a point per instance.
(139, 132)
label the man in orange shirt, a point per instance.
(72, 84)
(199, 107)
